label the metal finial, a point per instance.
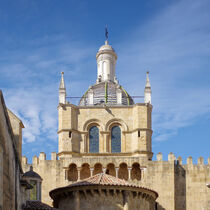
(106, 33)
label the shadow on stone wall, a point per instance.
(159, 207)
(180, 186)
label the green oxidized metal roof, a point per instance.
(106, 93)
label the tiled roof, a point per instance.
(37, 205)
(102, 180)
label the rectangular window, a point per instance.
(33, 191)
(69, 134)
(139, 134)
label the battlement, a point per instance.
(36, 160)
(175, 176)
(159, 157)
(178, 161)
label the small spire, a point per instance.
(62, 83)
(62, 90)
(147, 81)
(147, 91)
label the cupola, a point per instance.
(106, 61)
(35, 180)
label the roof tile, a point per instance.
(37, 205)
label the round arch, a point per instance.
(114, 122)
(136, 171)
(98, 168)
(85, 171)
(123, 171)
(110, 169)
(72, 172)
(92, 122)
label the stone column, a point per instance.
(143, 170)
(37, 191)
(66, 174)
(129, 173)
(91, 171)
(82, 143)
(117, 169)
(104, 170)
(85, 142)
(78, 169)
(106, 143)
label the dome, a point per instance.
(103, 190)
(31, 174)
(106, 93)
(106, 47)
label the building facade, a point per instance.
(108, 133)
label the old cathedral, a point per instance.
(105, 159)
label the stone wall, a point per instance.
(17, 127)
(75, 122)
(10, 166)
(105, 198)
(180, 187)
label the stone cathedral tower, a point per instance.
(106, 122)
(108, 133)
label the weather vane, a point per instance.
(106, 33)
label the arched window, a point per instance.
(85, 171)
(97, 169)
(110, 169)
(116, 139)
(94, 139)
(136, 172)
(123, 171)
(72, 172)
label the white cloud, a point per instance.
(173, 44)
(175, 47)
(31, 91)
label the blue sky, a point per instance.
(41, 38)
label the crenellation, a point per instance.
(155, 172)
(200, 161)
(53, 156)
(159, 156)
(179, 160)
(171, 157)
(35, 160)
(42, 156)
(189, 161)
(24, 160)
